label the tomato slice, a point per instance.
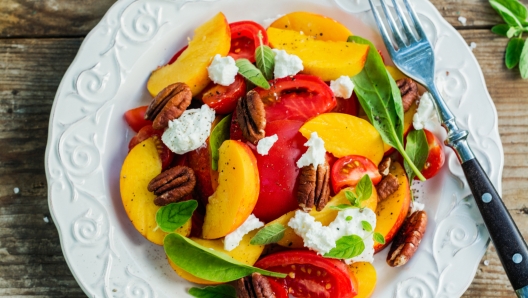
(310, 275)
(435, 159)
(244, 39)
(136, 118)
(148, 132)
(348, 170)
(347, 105)
(223, 99)
(298, 97)
(278, 288)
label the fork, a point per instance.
(413, 55)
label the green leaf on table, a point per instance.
(513, 52)
(380, 98)
(269, 234)
(347, 247)
(174, 215)
(220, 291)
(366, 226)
(513, 31)
(500, 29)
(265, 59)
(523, 62)
(513, 12)
(219, 134)
(251, 73)
(379, 238)
(207, 263)
(418, 149)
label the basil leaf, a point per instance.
(269, 234)
(341, 207)
(220, 291)
(364, 188)
(350, 196)
(512, 11)
(251, 73)
(513, 52)
(366, 226)
(174, 215)
(523, 62)
(379, 238)
(347, 247)
(500, 29)
(513, 31)
(348, 218)
(206, 263)
(265, 59)
(380, 97)
(219, 134)
(418, 149)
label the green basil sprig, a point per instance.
(269, 234)
(174, 215)
(347, 247)
(206, 263)
(379, 238)
(361, 193)
(366, 226)
(418, 149)
(219, 134)
(380, 97)
(220, 291)
(251, 73)
(265, 59)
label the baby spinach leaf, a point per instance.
(207, 263)
(366, 226)
(265, 59)
(513, 52)
(219, 134)
(523, 62)
(251, 73)
(269, 234)
(347, 247)
(380, 97)
(418, 149)
(220, 291)
(174, 215)
(500, 29)
(379, 238)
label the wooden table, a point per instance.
(38, 41)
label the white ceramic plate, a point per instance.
(88, 143)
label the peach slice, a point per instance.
(325, 216)
(392, 211)
(326, 59)
(211, 38)
(141, 165)
(345, 134)
(237, 191)
(312, 24)
(366, 276)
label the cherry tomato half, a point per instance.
(136, 118)
(278, 288)
(311, 275)
(148, 132)
(348, 170)
(298, 97)
(244, 39)
(435, 159)
(223, 99)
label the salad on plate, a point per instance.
(278, 161)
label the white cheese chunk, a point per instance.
(315, 155)
(189, 131)
(425, 112)
(342, 87)
(286, 64)
(232, 240)
(417, 207)
(462, 20)
(265, 144)
(315, 236)
(222, 70)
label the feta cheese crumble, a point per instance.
(415, 206)
(223, 70)
(265, 144)
(462, 20)
(315, 236)
(16, 190)
(425, 112)
(232, 240)
(189, 131)
(315, 155)
(286, 64)
(342, 87)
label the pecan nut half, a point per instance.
(172, 185)
(409, 92)
(254, 286)
(387, 186)
(384, 166)
(251, 116)
(407, 240)
(313, 187)
(168, 105)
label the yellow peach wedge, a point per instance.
(141, 165)
(366, 276)
(344, 135)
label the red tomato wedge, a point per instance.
(278, 170)
(298, 97)
(136, 118)
(435, 159)
(148, 132)
(348, 170)
(244, 39)
(223, 99)
(310, 275)
(278, 288)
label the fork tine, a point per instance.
(392, 25)
(403, 21)
(382, 29)
(414, 18)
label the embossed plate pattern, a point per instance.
(88, 142)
